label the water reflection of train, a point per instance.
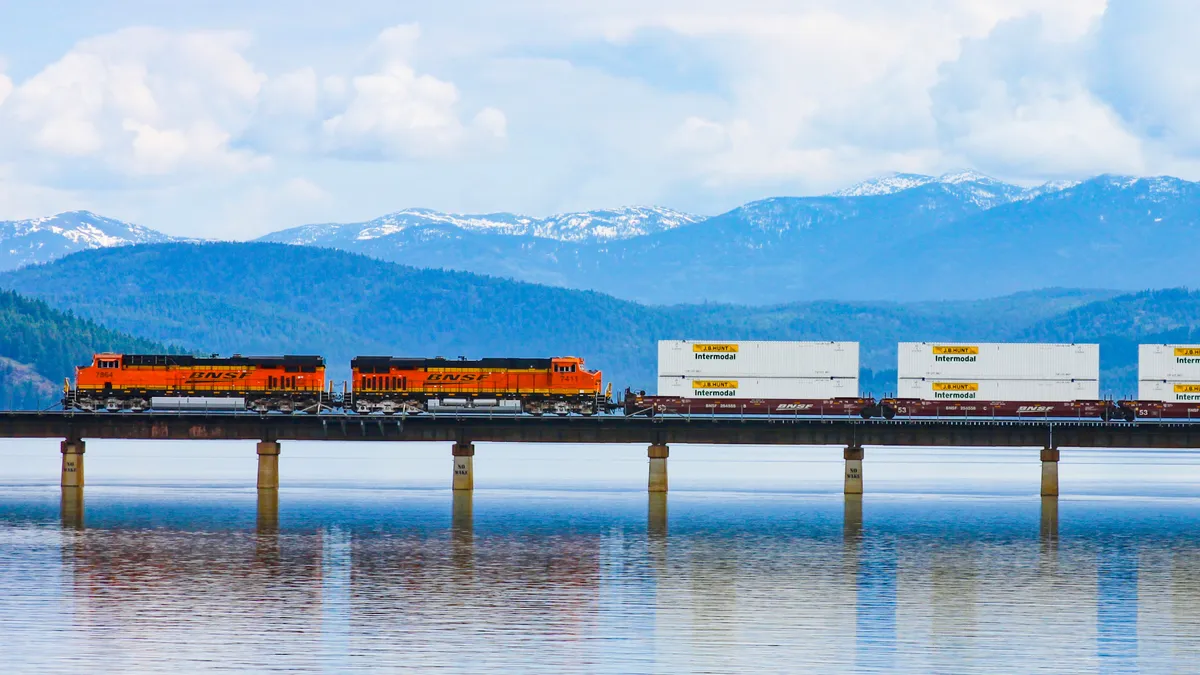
(776, 379)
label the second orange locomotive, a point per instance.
(536, 386)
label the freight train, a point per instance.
(695, 378)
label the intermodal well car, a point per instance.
(640, 404)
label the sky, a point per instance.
(231, 119)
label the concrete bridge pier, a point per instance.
(72, 464)
(464, 469)
(1050, 472)
(268, 465)
(658, 452)
(854, 478)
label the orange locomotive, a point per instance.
(536, 386)
(129, 381)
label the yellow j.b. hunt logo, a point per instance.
(956, 386)
(714, 384)
(1187, 389)
(1187, 351)
(955, 349)
(710, 348)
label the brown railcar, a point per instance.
(641, 404)
(906, 408)
(1160, 410)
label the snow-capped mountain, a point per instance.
(425, 224)
(885, 185)
(978, 188)
(39, 240)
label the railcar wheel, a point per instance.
(888, 412)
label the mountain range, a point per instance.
(261, 298)
(904, 237)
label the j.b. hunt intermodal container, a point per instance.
(713, 387)
(1171, 392)
(998, 361)
(1165, 363)
(757, 359)
(934, 389)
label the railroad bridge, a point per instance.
(461, 431)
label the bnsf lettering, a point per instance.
(1034, 408)
(794, 406)
(218, 375)
(456, 377)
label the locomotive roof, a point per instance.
(189, 360)
(402, 363)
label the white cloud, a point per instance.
(303, 190)
(141, 101)
(1017, 103)
(823, 92)
(148, 103)
(1144, 65)
(397, 112)
(543, 105)
(6, 86)
(699, 135)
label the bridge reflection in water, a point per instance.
(857, 584)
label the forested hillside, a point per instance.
(39, 346)
(270, 298)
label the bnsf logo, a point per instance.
(1034, 408)
(457, 377)
(794, 406)
(218, 375)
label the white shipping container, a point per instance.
(1159, 390)
(949, 390)
(758, 387)
(998, 361)
(1169, 362)
(749, 358)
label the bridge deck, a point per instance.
(601, 429)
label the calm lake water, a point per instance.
(755, 563)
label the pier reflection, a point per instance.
(656, 531)
(71, 508)
(462, 533)
(901, 587)
(1048, 533)
(266, 527)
